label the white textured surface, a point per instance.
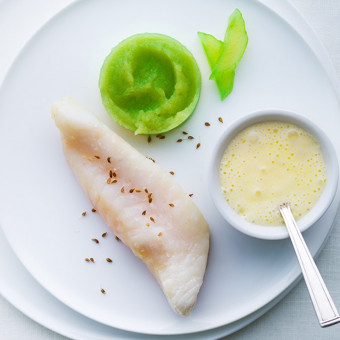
(294, 317)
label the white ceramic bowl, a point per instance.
(326, 197)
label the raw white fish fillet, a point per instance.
(173, 241)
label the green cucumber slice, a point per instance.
(235, 43)
(212, 48)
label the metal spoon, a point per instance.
(322, 301)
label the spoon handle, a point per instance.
(322, 301)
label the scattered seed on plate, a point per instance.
(93, 210)
(152, 219)
(172, 173)
(207, 124)
(179, 140)
(151, 159)
(122, 190)
(117, 238)
(198, 145)
(91, 259)
(103, 291)
(108, 260)
(98, 157)
(146, 190)
(94, 240)
(109, 160)
(148, 224)
(149, 139)
(190, 137)
(144, 212)
(184, 132)
(131, 190)
(87, 260)
(160, 234)
(104, 234)
(220, 119)
(83, 213)
(191, 195)
(171, 205)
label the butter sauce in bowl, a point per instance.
(267, 158)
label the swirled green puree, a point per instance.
(150, 83)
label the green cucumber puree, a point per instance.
(150, 83)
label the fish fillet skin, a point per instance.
(143, 204)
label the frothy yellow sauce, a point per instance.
(268, 164)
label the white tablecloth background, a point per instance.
(293, 318)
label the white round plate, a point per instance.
(42, 202)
